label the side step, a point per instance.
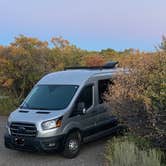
(103, 133)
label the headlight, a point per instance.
(8, 124)
(8, 127)
(52, 124)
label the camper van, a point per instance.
(62, 111)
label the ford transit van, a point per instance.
(62, 111)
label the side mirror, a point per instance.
(81, 108)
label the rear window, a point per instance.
(103, 87)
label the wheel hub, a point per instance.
(73, 145)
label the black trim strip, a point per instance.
(104, 126)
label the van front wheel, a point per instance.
(72, 145)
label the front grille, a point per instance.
(23, 129)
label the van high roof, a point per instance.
(78, 75)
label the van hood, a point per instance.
(34, 116)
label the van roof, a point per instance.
(75, 76)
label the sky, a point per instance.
(88, 24)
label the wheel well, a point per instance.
(75, 130)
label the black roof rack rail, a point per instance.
(109, 65)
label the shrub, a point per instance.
(126, 153)
(8, 104)
(145, 82)
(139, 96)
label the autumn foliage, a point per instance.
(26, 60)
(94, 60)
(138, 98)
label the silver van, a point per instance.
(63, 110)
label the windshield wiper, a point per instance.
(36, 108)
(25, 105)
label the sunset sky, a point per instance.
(89, 24)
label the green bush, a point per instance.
(127, 153)
(8, 104)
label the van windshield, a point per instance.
(49, 97)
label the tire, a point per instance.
(72, 144)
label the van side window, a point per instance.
(86, 96)
(103, 87)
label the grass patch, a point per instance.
(131, 151)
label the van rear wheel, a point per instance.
(72, 145)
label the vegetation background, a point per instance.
(139, 98)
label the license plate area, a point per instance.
(19, 141)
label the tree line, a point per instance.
(24, 61)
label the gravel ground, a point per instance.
(91, 154)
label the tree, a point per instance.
(59, 42)
(28, 43)
(93, 60)
(23, 62)
(109, 54)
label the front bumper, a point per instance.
(33, 143)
